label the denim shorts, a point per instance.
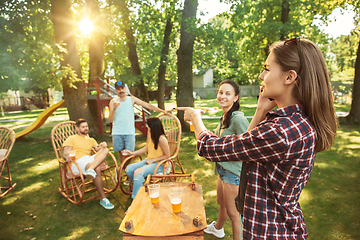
(121, 142)
(227, 176)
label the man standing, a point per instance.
(89, 165)
(122, 116)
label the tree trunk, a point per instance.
(354, 115)
(285, 9)
(96, 54)
(96, 43)
(75, 97)
(132, 54)
(162, 67)
(184, 96)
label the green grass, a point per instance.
(35, 209)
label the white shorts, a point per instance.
(82, 162)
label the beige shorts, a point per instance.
(82, 162)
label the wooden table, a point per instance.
(159, 222)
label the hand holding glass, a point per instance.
(116, 102)
(72, 155)
(125, 152)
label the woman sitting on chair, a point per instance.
(157, 149)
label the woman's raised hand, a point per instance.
(265, 104)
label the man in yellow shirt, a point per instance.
(89, 165)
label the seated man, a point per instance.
(83, 144)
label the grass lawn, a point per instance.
(35, 209)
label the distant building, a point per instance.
(203, 78)
(20, 100)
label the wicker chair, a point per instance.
(7, 140)
(172, 165)
(76, 187)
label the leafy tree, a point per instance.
(216, 47)
(260, 23)
(354, 114)
(28, 53)
(341, 62)
(149, 26)
(344, 48)
(132, 51)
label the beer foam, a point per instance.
(175, 201)
(154, 195)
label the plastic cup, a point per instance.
(175, 199)
(154, 193)
(117, 100)
(191, 127)
(72, 155)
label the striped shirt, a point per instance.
(279, 154)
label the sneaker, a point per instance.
(125, 181)
(219, 233)
(106, 204)
(90, 173)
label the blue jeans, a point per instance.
(139, 179)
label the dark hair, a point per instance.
(234, 107)
(156, 129)
(79, 122)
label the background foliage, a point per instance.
(234, 44)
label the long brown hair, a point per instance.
(313, 87)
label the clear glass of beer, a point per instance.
(154, 193)
(191, 127)
(72, 155)
(116, 100)
(175, 199)
(124, 153)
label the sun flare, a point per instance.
(86, 26)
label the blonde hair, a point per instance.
(313, 87)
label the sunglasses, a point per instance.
(298, 43)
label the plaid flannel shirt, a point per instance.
(279, 154)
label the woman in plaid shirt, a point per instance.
(279, 148)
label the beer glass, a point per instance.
(175, 199)
(124, 153)
(154, 193)
(191, 127)
(72, 155)
(116, 101)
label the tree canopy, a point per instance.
(234, 44)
